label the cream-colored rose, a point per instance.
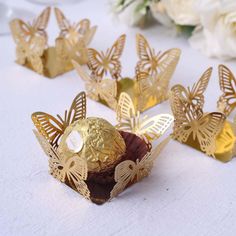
(182, 12)
(216, 37)
(130, 15)
(159, 13)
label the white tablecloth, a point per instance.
(187, 192)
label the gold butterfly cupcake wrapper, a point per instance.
(33, 52)
(211, 132)
(74, 170)
(104, 82)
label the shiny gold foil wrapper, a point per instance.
(95, 140)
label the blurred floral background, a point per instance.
(209, 24)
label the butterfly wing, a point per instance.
(46, 146)
(90, 82)
(107, 90)
(21, 53)
(145, 166)
(184, 115)
(62, 22)
(47, 125)
(228, 87)
(181, 93)
(209, 127)
(113, 56)
(167, 62)
(41, 23)
(145, 54)
(154, 85)
(101, 65)
(196, 96)
(77, 174)
(79, 52)
(125, 113)
(82, 188)
(95, 62)
(20, 30)
(35, 52)
(83, 27)
(74, 169)
(55, 160)
(124, 174)
(125, 107)
(62, 51)
(78, 109)
(88, 36)
(154, 127)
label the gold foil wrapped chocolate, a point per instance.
(95, 158)
(150, 84)
(32, 48)
(97, 141)
(209, 132)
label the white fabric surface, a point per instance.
(187, 192)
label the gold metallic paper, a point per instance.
(150, 84)
(209, 132)
(146, 128)
(227, 101)
(32, 48)
(101, 143)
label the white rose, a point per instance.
(216, 37)
(159, 13)
(182, 12)
(129, 15)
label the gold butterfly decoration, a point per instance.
(75, 170)
(153, 73)
(31, 52)
(72, 170)
(74, 32)
(150, 84)
(194, 96)
(104, 63)
(192, 125)
(129, 172)
(98, 88)
(32, 49)
(52, 128)
(129, 120)
(209, 132)
(31, 40)
(73, 39)
(22, 30)
(227, 101)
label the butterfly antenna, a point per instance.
(60, 119)
(154, 52)
(189, 89)
(66, 118)
(158, 54)
(102, 54)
